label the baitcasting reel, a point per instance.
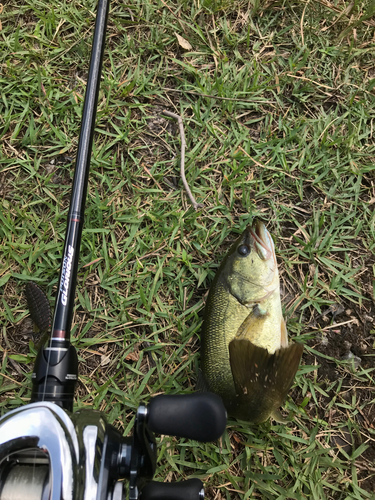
(48, 454)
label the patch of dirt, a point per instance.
(346, 350)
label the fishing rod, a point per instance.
(49, 452)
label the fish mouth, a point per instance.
(263, 242)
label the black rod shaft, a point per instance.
(56, 366)
(68, 273)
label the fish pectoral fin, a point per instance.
(252, 322)
(202, 385)
(263, 379)
(276, 415)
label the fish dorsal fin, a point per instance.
(262, 380)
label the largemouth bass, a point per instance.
(245, 357)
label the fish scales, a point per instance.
(223, 317)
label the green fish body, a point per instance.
(245, 357)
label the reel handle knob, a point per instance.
(192, 489)
(199, 416)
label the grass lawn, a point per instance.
(278, 104)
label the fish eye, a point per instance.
(243, 250)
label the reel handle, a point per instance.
(199, 416)
(192, 489)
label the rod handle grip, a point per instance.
(199, 416)
(192, 489)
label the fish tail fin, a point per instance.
(262, 380)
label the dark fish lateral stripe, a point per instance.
(38, 305)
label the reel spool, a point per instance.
(26, 481)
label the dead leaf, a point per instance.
(237, 439)
(105, 360)
(93, 262)
(132, 356)
(184, 43)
